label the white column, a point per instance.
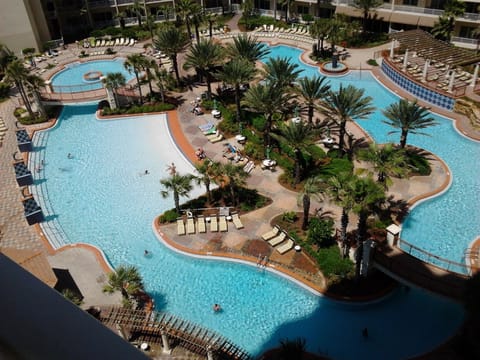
(165, 344)
(405, 60)
(425, 70)
(475, 76)
(393, 5)
(452, 79)
(392, 48)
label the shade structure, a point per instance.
(23, 141)
(22, 174)
(33, 212)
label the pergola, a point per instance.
(426, 46)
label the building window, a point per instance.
(302, 9)
(437, 4)
(410, 2)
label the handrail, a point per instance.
(450, 265)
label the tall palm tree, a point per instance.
(367, 196)
(346, 104)
(444, 27)
(339, 188)
(197, 19)
(298, 136)
(179, 185)
(136, 63)
(207, 173)
(115, 81)
(204, 56)
(320, 30)
(18, 74)
(6, 57)
(247, 47)
(387, 161)
(408, 117)
(281, 72)
(126, 279)
(314, 186)
(137, 8)
(35, 83)
(150, 67)
(267, 100)
(236, 72)
(172, 41)
(185, 9)
(366, 6)
(312, 89)
(235, 177)
(162, 80)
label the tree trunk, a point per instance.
(310, 114)
(341, 140)
(176, 199)
(232, 194)
(209, 85)
(298, 159)
(139, 87)
(209, 193)
(237, 102)
(197, 33)
(175, 68)
(306, 211)
(403, 139)
(343, 233)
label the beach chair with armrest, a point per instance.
(271, 234)
(222, 223)
(213, 223)
(216, 139)
(201, 224)
(190, 226)
(287, 246)
(278, 239)
(236, 221)
(180, 227)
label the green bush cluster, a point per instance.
(168, 216)
(289, 216)
(418, 163)
(331, 261)
(320, 232)
(4, 90)
(139, 109)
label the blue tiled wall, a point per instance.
(418, 90)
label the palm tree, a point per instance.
(247, 47)
(204, 56)
(236, 72)
(162, 79)
(172, 41)
(319, 30)
(346, 104)
(281, 72)
(267, 100)
(180, 185)
(299, 137)
(313, 186)
(367, 195)
(34, 83)
(121, 19)
(339, 188)
(185, 9)
(292, 349)
(387, 161)
(148, 65)
(207, 173)
(136, 63)
(444, 27)
(6, 57)
(312, 89)
(235, 177)
(115, 81)
(126, 279)
(137, 9)
(408, 117)
(366, 6)
(18, 74)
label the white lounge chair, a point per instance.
(287, 246)
(271, 234)
(132, 42)
(216, 139)
(222, 223)
(190, 226)
(277, 239)
(236, 221)
(206, 126)
(201, 224)
(117, 42)
(180, 227)
(214, 135)
(213, 223)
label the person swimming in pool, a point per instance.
(70, 156)
(216, 308)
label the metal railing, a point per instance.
(436, 260)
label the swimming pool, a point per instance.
(101, 197)
(440, 225)
(74, 77)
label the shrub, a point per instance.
(418, 163)
(320, 232)
(259, 123)
(18, 112)
(332, 263)
(139, 109)
(4, 90)
(168, 216)
(307, 17)
(289, 216)
(372, 62)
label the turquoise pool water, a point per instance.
(445, 225)
(71, 78)
(101, 197)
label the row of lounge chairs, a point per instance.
(200, 225)
(279, 239)
(211, 132)
(113, 42)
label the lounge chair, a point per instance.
(271, 234)
(206, 126)
(277, 239)
(210, 131)
(213, 223)
(249, 167)
(214, 135)
(236, 221)
(132, 42)
(103, 43)
(190, 226)
(287, 246)
(222, 223)
(201, 224)
(180, 227)
(216, 139)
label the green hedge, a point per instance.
(139, 109)
(331, 262)
(4, 90)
